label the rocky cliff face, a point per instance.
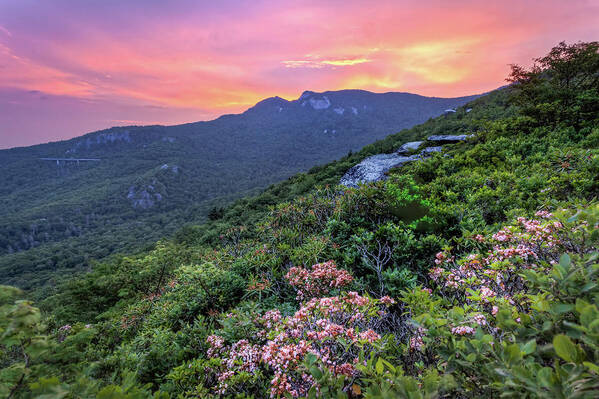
(37, 233)
(143, 197)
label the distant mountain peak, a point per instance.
(269, 103)
(306, 94)
(318, 101)
(276, 100)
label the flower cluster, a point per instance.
(479, 238)
(480, 319)
(215, 345)
(544, 214)
(335, 329)
(494, 278)
(462, 330)
(387, 300)
(321, 279)
(63, 332)
(416, 342)
(496, 274)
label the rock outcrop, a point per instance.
(143, 197)
(430, 150)
(410, 146)
(448, 138)
(375, 168)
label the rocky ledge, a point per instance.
(375, 168)
(409, 147)
(447, 139)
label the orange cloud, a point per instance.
(323, 63)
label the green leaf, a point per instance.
(565, 261)
(545, 377)
(565, 348)
(311, 358)
(588, 287)
(561, 308)
(540, 304)
(379, 367)
(529, 347)
(513, 353)
(591, 366)
(588, 315)
(388, 365)
(341, 395)
(316, 372)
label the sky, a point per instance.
(68, 67)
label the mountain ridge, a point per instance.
(266, 101)
(56, 207)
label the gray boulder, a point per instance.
(373, 169)
(430, 150)
(143, 197)
(410, 146)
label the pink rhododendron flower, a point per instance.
(387, 300)
(319, 281)
(462, 330)
(318, 327)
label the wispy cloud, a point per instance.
(5, 31)
(302, 64)
(324, 63)
(346, 62)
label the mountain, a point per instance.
(66, 203)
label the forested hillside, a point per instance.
(468, 274)
(123, 188)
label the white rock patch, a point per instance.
(320, 103)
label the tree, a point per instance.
(21, 338)
(216, 213)
(561, 87)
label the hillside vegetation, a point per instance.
(470, 274)
(149, 181)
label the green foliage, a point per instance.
(562, 87)
(544, 345)
(22, 341)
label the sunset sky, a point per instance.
(71, 67)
